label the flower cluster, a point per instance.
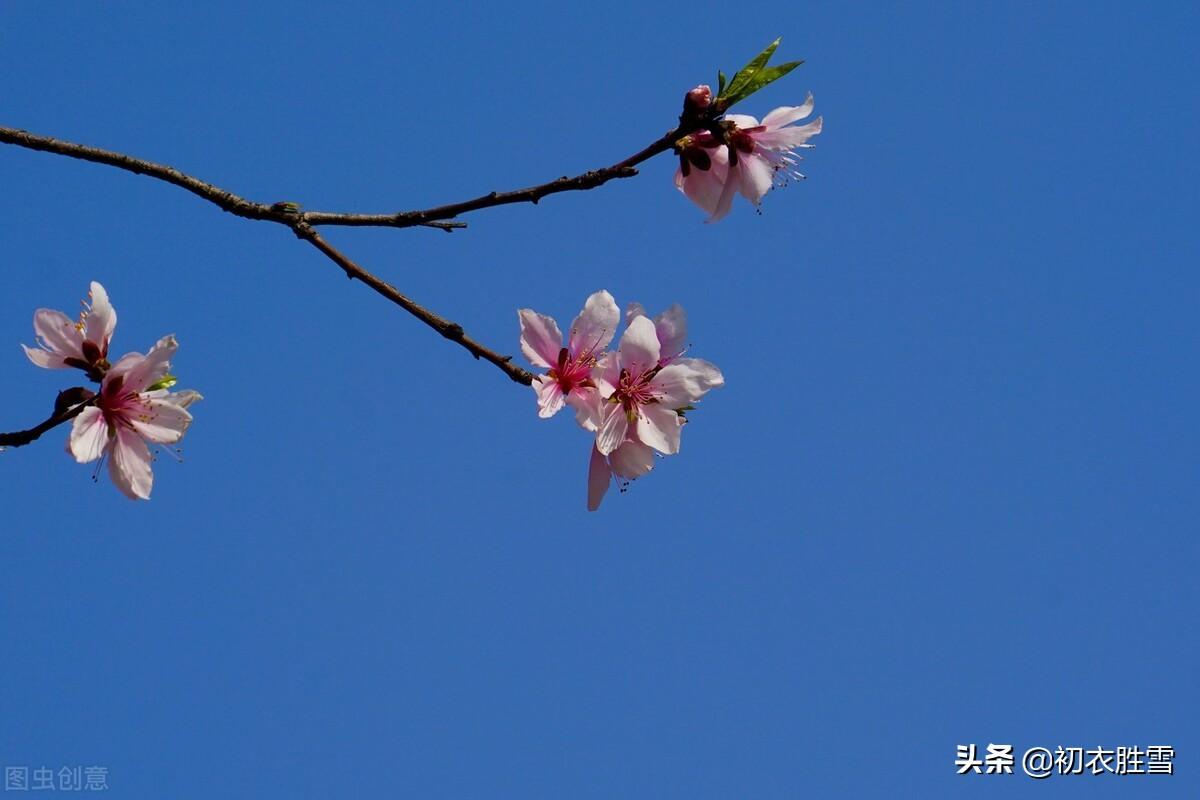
(633, 399)
(134, 405)
(740, 155)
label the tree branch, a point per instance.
(451, 330)
(285, 213)
(63, 413)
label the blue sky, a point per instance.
(948, 494)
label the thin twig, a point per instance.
(451, 330)
(285, 213)
(61, 416)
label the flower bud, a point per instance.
(697, 99)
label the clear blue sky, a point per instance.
(948, 494)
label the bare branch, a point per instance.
(451, 330)
(285, 213)
(64, 411)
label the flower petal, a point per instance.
(789, 138)
(588, 407)
(151, 368)
(593, 329)
(101, 320)
(549, 396)
(659, 426)
(599, 478)
(58, 333)
(129, 465)
(671, 328)
(44, 358)
(743, 121)
(684, 381)
(704, 187)
(756, 177)
(159, 420)
(639, 346)
(632, 459)
(540, 338)
(89, 435)
(728, 189)
(613, 427)
(786, 115)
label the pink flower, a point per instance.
(569, 376)
(644, 395)
(749, 157)
(64, 343)
(133, 407)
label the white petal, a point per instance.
(757, 176)
(684, 381)
(639, 346)
(789, 138)
(743, 121)
(151, 368)
(44, 358)
(101, 320)
(549, 396)
(57, 333)
(671, 328)
(659, 427)
(786, 115)
(593, 329)
(129, 465)
(599, 478)
(541, 340)
(588, 407)
(725, 201)
(160, 421)
(613, 427)
(632, 459)
(89, 435)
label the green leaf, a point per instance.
(720, 83)
(752, 77)
(744, 75)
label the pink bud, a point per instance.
(699, 98)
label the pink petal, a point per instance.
(151, 368)
(786, 115)
(593, 329)
(44, 358)
(89, 435)
(632, 459)
(743, 121)
(789, 138)
(588, 407)
(704, 187)
(101, 321)
(639, 346)
(634, 309)
(725, 201)
(129, 465)
(57, 333)
(599, 478)
(685, 381)
(757, 177)
(659, 427)
(613, 427)
(541, 340)
(671, 328)
(160, 421)
(549, 396)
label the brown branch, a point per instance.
(451, 330)
(285, 213)
(63, 412)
